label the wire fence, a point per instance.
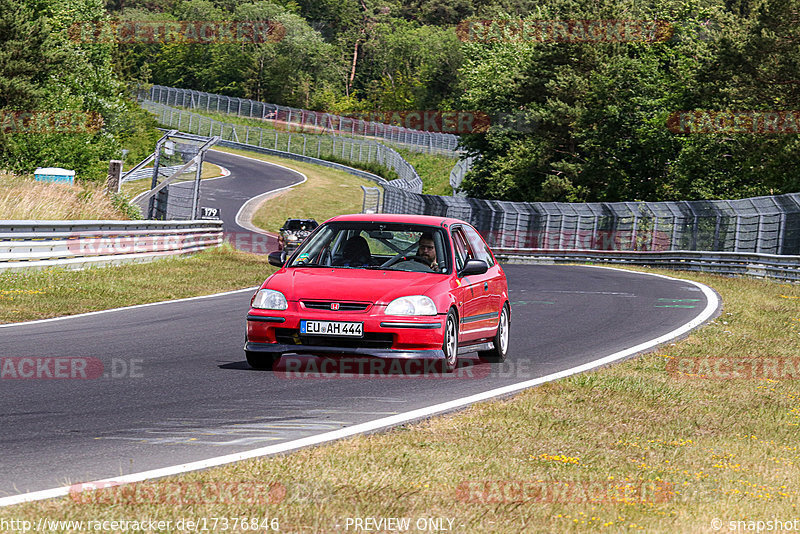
(284, 117)
(768, 224)
(317, 146)
(460, 169)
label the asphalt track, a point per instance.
(175, 387)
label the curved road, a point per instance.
(177, 389)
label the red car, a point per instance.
(384, 286)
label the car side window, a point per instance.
(479, 245)
(463, 252)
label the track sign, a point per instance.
(209, 213)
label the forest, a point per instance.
(603, 100)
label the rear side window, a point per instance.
(478, 245)
(461, 245)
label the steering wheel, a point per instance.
(400, 257)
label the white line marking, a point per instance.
(225, 174)
(65, 317)
(245, 214)
(707, 313)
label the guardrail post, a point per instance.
(114, 174)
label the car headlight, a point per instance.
(412, 305)
(268, 299)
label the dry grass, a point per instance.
(687, 449)
(22, 198)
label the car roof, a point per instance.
(427, 220)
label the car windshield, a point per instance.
(296, 224)
(374, 245)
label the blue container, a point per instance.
(54, 174)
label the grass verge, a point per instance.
(23, 198)
(326, 193)
(435, 169)
(30, 294)
(631, 447)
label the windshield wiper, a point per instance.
(309, 265)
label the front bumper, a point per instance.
(384, 336)
(277, 349)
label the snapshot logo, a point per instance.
(563, 491)
(564, 31)
(730, 122)
(180, 32)
(41, 122)
(177, 493)
(67, 367)
(727, 368)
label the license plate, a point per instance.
(332, 328)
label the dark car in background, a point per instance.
(292, 233)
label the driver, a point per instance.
(427, 250)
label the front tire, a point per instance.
(500, 350)
(450, 344)
(261, 360)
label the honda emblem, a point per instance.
(334, 306)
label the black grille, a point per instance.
(371, 340)
(343, 306)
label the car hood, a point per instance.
(362, 285)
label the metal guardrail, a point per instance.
(409, 138)
(147, 172)
(313, 146)
(763, 225)
(80, 244)
(771, 266)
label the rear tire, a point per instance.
(263, 361)
(450, 344)
(500, 350)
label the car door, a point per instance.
(495, 277)
(473, 303)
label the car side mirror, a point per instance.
(274, 258)
(474, 267)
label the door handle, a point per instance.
(486, 286)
